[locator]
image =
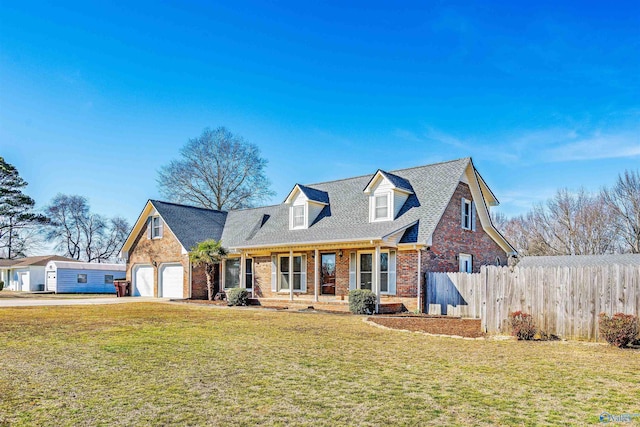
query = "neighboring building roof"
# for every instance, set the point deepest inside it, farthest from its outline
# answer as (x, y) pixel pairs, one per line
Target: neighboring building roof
(190, 224)
(88, 266)
(347, 217)
(579, 260)
(33, 261)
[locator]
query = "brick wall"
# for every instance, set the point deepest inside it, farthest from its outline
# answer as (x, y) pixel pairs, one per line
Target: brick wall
(164, 250)
(449, 240)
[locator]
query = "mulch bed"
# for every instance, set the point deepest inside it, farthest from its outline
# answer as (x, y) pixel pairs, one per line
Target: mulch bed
(469, 328)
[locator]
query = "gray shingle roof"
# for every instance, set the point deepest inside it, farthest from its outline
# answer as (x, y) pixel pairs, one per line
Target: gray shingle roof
(346, 218)
(579, 260)
(191, 224)
(398, 181)
(314, 195)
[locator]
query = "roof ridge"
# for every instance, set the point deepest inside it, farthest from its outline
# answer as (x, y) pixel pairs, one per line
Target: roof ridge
(391, 171)
(188, 206)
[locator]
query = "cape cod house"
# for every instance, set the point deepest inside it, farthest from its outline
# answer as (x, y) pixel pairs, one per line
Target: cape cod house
(381, 232)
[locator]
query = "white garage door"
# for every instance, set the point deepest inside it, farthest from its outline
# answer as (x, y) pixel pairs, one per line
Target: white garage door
(143, 281)
(171, 279)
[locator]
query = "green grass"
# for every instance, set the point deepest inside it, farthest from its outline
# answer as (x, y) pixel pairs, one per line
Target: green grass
(161, 364)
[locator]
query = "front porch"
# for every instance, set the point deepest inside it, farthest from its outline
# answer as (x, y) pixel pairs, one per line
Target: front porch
(323, 275)
(323, 304)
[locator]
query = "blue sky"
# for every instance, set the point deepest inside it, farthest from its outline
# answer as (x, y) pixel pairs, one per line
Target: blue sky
(96, 96)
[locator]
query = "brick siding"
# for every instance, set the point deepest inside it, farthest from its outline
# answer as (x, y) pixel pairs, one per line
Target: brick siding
(450, 239)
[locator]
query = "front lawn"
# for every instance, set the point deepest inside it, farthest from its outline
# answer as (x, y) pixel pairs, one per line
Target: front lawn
(163, 364)
(7, 294)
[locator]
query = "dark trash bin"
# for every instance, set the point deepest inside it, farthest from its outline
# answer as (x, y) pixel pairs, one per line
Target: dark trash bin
(123, 288)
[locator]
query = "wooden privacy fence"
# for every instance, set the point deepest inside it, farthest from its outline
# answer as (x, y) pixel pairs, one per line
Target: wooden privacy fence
(564, 301)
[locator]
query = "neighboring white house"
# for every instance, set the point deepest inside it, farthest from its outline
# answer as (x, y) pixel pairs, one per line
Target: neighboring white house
(26, 274)
(82, 277)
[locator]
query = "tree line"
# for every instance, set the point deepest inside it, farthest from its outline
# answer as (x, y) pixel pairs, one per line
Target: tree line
(580, 222)
(67, 222)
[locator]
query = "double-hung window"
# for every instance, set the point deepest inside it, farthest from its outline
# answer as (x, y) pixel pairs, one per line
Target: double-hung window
(381, 210)
(82, 278)
(231, 273)
(156, 227)
(363, 277)
(296, 273)
(108, 279)
(467, 212)
(298, 216)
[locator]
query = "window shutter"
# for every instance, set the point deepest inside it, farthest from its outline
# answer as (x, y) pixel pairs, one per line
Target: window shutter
(274, 273)
(473, 216)
(303, 273)
(462, 213)
(392, 272)
(352, 271)
(149, 228)
(160, 227)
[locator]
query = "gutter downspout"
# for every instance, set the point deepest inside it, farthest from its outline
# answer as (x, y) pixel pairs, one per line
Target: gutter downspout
(290, 274)
(376, 275)
(316, 281)
(419, 280)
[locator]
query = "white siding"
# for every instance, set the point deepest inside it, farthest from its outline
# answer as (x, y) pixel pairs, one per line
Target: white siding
(313, 211)
(398, 202)
(36, 278)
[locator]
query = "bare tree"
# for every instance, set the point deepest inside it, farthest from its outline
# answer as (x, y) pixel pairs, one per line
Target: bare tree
(570, 223)
(83, 235)
(217, 170)
(623, 201)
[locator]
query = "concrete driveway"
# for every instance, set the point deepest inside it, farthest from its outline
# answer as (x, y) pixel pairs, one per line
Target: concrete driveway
(26, 302)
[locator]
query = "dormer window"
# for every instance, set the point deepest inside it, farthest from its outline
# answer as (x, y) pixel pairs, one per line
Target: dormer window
(298, 216)
(387, 194)
(381, 207)
(305, 204)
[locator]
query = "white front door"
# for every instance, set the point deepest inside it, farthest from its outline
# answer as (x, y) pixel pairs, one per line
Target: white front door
(143, 281)
(51, 281)
(23, 281)
(171, 281)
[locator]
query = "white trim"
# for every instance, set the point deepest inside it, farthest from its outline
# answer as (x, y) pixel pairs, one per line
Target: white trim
(292, 217)
(159, 227)
(223, 273)
(375, 275)
(464, 258)
(466, 220)
(303, 285)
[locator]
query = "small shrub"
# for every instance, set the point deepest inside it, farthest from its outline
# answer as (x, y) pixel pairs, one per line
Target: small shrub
(362, 301)
(522, 326)
(237, 296)
(1, 285)
(620, 329)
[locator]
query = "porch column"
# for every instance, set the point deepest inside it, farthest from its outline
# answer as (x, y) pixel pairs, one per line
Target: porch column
(376, 275)
(290, 274)
(419, 280)
(316, 275)
(243, 266)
